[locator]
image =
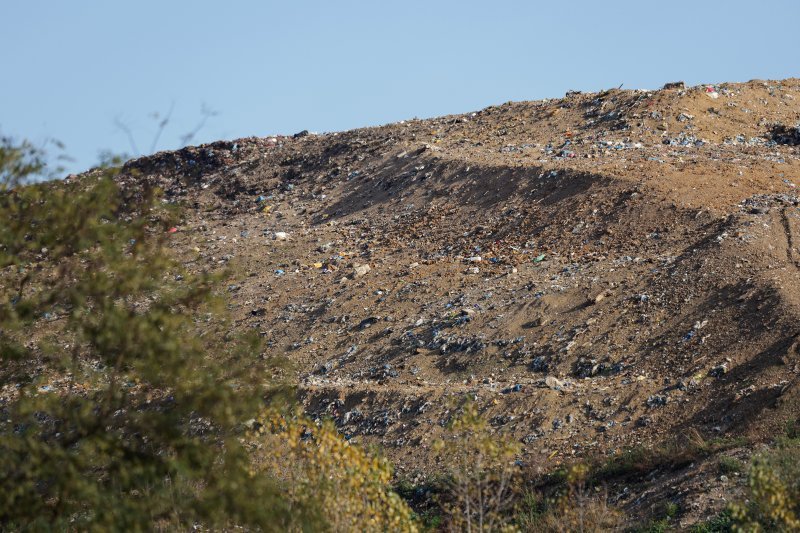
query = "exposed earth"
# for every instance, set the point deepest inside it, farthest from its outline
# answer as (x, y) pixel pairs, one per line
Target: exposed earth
(598, 271)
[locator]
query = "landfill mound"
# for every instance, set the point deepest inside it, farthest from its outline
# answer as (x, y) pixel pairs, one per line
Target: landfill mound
(598, 271)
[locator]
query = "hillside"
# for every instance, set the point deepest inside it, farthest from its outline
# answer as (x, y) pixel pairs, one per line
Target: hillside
(598, 271)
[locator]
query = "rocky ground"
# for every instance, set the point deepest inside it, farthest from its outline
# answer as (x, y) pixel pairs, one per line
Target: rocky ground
(597, 271)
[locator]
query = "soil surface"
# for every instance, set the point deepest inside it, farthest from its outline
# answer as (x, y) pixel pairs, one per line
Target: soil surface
(598, 271)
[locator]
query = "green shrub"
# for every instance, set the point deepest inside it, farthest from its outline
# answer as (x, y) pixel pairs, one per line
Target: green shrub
(127, 396)
(730, 465)
(722, 523)
(664, 523)
(672, 454)
(318, 469)
(773, 491)
(793, 429)
(577, 507)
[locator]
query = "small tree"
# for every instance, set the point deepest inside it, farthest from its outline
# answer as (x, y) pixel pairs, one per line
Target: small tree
(578, 507)
(482, 471)
(124, 392)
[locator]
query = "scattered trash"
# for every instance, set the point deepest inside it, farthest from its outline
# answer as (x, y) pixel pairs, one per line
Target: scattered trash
(718, 371)
(657, 400)
(674, 85)
(611, 210)
(785, 135)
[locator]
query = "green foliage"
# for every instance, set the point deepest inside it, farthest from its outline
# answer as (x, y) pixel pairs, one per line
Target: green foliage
(431, 520)
(664, 523)
(424, 498)
(730, 465)
(722, 523)
(319, 469)
(793, 429)
(673, 454)
(577, 506)
(19, 161)
(531, 510)
(23, 161)
(773, 491)
(125, 396)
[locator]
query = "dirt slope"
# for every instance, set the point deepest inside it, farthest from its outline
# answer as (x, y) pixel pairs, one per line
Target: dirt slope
(598, 271)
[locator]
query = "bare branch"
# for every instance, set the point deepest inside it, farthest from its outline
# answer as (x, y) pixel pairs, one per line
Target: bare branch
(205, 113)
(161, 125)
(127, 131)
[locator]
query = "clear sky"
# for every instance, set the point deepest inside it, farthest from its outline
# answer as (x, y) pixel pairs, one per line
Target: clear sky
(70, 69)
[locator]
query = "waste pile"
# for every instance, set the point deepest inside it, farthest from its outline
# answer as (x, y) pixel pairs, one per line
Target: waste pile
(596, 271)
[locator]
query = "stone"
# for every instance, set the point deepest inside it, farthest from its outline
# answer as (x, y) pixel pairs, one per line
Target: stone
(360, 270)
(553, 383)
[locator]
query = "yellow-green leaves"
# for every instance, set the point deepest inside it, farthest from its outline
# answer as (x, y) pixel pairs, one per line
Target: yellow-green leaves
(320, 470)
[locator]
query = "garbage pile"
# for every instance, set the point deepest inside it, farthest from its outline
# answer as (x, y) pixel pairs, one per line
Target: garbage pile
(597, 271)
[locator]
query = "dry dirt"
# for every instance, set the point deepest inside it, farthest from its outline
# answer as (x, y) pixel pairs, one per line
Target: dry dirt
(598, 271)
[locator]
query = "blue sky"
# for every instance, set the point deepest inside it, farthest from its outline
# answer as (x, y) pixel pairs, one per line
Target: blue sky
(71, 69)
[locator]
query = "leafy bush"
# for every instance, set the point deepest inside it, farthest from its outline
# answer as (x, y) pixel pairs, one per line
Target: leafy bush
(729, 465)
(318, 469)
(123, 396)
(664, 522)
(773, 491)
(722, 523)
